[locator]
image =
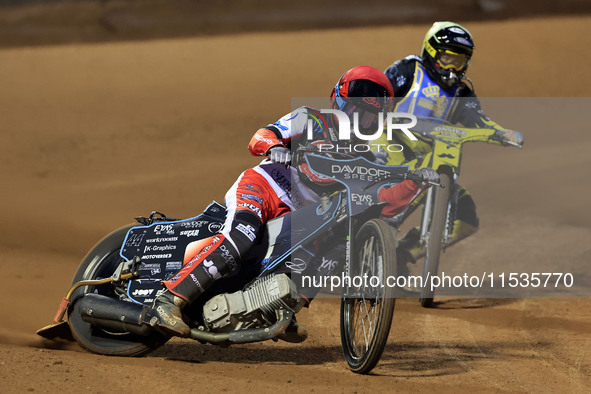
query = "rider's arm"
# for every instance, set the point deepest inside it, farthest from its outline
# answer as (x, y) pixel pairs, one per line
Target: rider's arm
(401, 75)
(399, 197)
(279, 133)
(263, 140)
(469, 114)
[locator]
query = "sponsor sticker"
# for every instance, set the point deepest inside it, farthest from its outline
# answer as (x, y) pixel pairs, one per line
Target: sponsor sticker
(228, 258)
(190, 233)
(167, 229)
(247, 230)
(214, 227)
(134, 240)
(212, 269)
(457, 30)
(327, 265)
(251, 197)
(174, 265)
(194, 224)
(156, 256)
(251, 207)
(142, 292)
(161, 239)
(362, 199)
(462, 41)
(158, 248)
(253, 188)
(296, 265)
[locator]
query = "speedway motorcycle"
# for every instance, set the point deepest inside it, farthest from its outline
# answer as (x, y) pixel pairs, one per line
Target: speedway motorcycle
(108, 308)
(439, 204)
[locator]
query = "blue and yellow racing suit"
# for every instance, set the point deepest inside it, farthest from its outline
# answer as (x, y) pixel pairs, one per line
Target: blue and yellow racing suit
(417, 93)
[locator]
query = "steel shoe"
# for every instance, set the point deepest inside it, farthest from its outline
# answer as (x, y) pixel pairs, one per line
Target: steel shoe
(167, 308)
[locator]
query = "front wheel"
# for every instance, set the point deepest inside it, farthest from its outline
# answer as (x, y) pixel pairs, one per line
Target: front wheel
(435, 240)
(367, 309)
(101, 262)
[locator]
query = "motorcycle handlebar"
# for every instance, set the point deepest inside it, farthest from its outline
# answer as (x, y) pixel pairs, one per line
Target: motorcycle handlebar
(407, 175)
(500, 138)
(511, 143)
(419, 179)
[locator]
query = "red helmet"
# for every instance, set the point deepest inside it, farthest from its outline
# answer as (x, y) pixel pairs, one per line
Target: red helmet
(366, 90)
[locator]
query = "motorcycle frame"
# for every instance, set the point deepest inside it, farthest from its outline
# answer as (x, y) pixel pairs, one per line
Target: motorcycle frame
(445, 157)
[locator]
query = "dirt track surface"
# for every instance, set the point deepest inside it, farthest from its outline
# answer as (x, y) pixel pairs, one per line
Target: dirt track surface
(92, 135)
(42, 22)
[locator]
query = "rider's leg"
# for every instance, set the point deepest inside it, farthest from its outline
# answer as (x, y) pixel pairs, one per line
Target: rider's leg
(466, 223)
(250, 203)
(218, 258)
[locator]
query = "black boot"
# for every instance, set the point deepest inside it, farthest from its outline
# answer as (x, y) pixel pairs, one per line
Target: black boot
(167, 307)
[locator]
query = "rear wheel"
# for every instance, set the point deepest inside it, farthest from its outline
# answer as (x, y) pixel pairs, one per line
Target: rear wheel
(435, 240)
(100, 263)
(366, 311)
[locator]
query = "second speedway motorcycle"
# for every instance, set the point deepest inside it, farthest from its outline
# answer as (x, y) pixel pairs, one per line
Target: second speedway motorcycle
(439, 204)
(108, 309)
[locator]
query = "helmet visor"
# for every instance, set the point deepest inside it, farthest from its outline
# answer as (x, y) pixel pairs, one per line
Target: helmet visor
(448, 60)
(365, 119)
(366, 88)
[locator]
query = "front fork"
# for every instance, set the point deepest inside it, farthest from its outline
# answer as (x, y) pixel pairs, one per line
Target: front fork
(427, 216)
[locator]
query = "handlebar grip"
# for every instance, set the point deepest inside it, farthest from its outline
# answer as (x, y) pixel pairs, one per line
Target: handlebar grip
(419, 179)
(501, 138)
(511, 143)
(413, 177)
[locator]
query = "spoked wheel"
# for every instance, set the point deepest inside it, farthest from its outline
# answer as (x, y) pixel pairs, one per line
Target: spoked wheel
(435, 240)
(367, 308)
(100, 263)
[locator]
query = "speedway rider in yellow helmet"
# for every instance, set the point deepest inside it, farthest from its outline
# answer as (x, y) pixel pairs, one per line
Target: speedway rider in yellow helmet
(434, 86)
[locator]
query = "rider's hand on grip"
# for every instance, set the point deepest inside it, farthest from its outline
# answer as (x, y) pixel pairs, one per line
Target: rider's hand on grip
(509, 137)
(381, 156)
(279, 155)
(427, 176)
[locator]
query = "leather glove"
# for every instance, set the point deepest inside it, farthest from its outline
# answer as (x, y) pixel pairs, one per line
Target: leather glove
(509, 135)
(428, 175)
(381, 156)
(279, 155)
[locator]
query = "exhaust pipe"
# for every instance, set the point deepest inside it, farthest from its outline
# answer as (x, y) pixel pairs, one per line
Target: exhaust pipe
(246, 336)
(123, 316)
(115, 314)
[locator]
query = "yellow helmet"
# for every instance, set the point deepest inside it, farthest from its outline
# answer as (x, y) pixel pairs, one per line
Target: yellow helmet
(446, 52)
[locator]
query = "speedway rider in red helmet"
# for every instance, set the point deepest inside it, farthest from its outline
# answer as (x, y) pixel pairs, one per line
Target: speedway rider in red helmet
(273, 188)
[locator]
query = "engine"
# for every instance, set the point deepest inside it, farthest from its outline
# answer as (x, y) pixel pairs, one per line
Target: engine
(254, 306)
